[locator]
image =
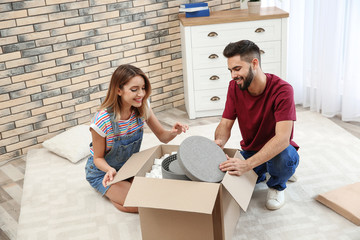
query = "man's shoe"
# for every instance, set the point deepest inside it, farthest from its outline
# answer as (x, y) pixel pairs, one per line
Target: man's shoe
(275, 199)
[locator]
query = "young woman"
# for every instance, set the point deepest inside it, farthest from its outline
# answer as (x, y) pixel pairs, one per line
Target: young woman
(117, 130)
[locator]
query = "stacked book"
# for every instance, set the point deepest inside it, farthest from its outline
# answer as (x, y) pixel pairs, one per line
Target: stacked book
(195, 9)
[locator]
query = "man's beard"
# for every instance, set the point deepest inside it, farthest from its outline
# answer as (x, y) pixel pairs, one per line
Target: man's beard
(247, 81)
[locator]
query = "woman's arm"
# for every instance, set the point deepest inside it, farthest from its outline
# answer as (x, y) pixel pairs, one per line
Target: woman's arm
(163, 135)
(99, 146)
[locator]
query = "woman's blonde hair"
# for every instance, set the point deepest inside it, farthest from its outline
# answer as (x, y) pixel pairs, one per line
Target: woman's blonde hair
(119, 78)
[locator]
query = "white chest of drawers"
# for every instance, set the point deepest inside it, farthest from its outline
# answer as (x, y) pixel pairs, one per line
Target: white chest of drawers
(205, 71)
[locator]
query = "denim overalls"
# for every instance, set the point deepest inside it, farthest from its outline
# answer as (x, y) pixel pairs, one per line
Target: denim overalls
(122, 149)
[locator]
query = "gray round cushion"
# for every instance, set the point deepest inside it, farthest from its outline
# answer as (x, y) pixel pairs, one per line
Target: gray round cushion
(168, 171)
(175, 167)
(200, 158)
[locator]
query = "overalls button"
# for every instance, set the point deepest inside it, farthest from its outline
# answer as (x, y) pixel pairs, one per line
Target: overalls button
(91, 167)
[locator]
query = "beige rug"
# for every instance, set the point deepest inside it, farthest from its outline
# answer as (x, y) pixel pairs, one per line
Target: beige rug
(58, 203)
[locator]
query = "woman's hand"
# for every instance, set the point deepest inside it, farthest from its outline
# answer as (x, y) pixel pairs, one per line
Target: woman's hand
(235, 166)
(109, 176)
(178, 128)
(163, 135)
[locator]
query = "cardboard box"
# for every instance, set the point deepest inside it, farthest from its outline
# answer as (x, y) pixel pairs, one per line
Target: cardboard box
(177, 209)
(345, 201)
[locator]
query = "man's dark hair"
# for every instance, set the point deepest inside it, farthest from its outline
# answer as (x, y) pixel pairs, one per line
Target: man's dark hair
(245, 48)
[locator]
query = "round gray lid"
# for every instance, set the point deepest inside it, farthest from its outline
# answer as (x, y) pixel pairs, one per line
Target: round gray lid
(200, 158)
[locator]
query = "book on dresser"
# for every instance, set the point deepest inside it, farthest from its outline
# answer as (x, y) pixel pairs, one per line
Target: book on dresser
(200, 9)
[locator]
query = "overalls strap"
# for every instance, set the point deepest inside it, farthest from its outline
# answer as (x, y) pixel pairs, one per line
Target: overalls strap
(114, 123)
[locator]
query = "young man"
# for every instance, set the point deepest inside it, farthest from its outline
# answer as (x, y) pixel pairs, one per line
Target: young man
(264, 106)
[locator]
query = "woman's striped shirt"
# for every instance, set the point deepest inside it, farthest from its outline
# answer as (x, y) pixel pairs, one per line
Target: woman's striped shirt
(101, 123)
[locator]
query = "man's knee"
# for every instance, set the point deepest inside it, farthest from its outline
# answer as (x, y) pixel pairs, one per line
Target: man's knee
(288, 158)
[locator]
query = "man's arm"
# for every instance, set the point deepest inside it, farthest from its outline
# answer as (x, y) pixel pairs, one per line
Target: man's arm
(223, 131)
(273, 147)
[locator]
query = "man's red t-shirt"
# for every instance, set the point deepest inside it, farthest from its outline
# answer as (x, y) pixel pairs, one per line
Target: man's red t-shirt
(257, 115)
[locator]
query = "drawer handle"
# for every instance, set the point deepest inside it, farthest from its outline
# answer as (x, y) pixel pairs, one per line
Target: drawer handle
(213, 56)
(262, 52)
(259, 30)
(212, 34)
(215, 98)
(214, 77)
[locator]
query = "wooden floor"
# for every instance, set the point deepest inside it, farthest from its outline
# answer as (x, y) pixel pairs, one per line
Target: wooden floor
(12, 172)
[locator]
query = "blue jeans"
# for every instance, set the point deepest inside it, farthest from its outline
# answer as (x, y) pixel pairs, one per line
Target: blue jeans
(280, 168)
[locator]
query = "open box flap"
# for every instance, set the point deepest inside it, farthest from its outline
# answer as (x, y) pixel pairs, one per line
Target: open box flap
(134, 164)
(178, 195)
(240, 187)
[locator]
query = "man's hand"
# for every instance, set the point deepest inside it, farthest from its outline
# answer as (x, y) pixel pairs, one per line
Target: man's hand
(219, 143)
(235, 166)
